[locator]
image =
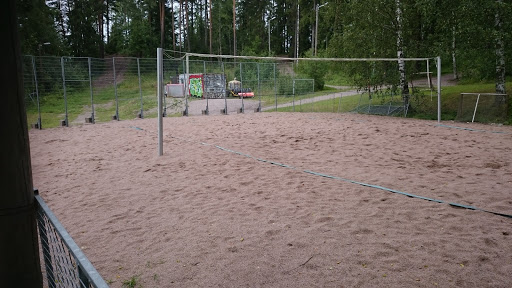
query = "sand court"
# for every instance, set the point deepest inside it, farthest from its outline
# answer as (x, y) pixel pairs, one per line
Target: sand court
(284, 200)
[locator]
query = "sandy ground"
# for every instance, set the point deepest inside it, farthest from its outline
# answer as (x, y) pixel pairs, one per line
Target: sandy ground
(234, 201)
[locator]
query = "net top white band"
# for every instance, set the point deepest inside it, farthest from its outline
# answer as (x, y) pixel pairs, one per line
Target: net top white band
(305, 59)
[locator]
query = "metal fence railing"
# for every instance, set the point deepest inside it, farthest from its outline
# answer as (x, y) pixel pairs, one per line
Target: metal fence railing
(65, 265)
(66, 91)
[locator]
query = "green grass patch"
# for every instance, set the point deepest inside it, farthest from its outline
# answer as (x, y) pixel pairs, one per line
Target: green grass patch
(269, 98)
(53, 107)
(334, 105)
(423, 105)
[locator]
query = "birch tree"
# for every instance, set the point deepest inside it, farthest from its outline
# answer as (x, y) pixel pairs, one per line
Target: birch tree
(400, 53)
(500, 49)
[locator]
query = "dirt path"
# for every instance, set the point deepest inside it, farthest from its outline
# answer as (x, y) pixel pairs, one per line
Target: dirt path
(313, 100)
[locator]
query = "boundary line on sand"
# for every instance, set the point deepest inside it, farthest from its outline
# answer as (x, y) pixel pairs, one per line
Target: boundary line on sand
(471, 129)
(340, 178)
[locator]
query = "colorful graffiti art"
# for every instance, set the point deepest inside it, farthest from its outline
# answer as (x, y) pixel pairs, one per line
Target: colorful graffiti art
(196, 87)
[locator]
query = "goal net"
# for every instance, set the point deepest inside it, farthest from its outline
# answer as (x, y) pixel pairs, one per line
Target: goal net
(482, 107)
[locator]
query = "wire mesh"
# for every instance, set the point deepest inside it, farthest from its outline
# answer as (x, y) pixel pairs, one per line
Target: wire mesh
(74, 90)
(482, 107)
(64, 263)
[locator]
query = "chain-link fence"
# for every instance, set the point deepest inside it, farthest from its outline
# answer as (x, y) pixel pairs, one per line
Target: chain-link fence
(75, 90)
(63, 91)
(65, 265)
(250, 86)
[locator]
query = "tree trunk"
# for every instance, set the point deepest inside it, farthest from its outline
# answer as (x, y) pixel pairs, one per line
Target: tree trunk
(454, 58)
(500, 50)
(297, 32)
(101, 30)
(210, 28)
(186, 26)
(172, 29)
(180, 17)
(313, 27)
(19, 255)
(108, 19)
(234, 27)
(400, 54)
(161, 4)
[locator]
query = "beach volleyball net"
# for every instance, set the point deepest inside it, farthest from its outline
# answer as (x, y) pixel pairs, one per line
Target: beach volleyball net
(375, 85)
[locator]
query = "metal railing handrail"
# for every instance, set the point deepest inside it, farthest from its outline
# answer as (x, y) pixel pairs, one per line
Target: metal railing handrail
(85, 266)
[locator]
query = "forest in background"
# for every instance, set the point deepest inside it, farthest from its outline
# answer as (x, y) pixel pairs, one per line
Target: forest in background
(472, 35)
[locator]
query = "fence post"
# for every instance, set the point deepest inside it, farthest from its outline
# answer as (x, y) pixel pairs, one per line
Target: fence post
(225, 98)
(339, 102)
(64, 89)
(259, 88)
(140, 90)
(37, 94)
(187, 69)
(438, 88)
(293, 92)
(275, 85)
(116, 117)
(241, 89)
(164, 113)
(90, 87)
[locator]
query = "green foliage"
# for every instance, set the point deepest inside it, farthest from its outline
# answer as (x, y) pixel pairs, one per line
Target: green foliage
(36, 27)
(315, 70)
(461, 29)
(131, 283)
(84, 40)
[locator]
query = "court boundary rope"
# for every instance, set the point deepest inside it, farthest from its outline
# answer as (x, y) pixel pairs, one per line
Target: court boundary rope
(468, 207)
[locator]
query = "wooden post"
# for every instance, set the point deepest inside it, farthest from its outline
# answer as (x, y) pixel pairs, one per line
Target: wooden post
(19, 252)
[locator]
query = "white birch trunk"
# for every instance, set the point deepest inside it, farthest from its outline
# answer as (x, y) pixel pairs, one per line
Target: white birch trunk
(400, 53)
(180, 17)
(454, 55)
(210, 26)
(500, 50)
